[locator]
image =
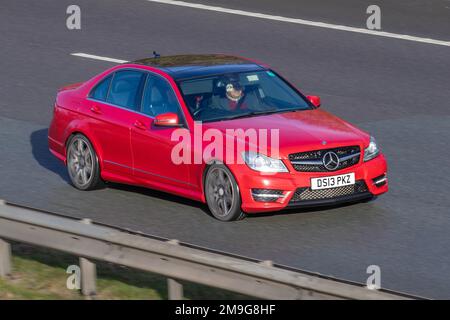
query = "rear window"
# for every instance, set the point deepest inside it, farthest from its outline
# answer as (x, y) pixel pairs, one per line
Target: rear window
(101, 89)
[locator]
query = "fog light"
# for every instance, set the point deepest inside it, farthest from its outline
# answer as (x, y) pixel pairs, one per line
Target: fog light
(267, 195)
(380, 180)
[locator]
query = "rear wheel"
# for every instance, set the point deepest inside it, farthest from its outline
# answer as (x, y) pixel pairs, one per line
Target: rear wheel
(222, 194)
(82, 163)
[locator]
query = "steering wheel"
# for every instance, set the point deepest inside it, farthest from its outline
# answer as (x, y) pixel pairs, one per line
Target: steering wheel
(198, 111)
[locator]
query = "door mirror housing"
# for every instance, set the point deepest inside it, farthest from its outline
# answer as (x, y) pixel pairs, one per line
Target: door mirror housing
(315, 100)
(168, 119)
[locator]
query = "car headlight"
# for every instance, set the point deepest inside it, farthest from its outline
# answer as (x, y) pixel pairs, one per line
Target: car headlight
(262, 163)
(372, 150)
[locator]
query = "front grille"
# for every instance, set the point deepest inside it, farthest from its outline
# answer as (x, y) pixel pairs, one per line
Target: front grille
(304, 194)
(312, 161)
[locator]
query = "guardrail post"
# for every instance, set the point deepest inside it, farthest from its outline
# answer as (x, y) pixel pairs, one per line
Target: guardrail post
(88, 273)
(175, 289)
(5, 258)
(88, 277)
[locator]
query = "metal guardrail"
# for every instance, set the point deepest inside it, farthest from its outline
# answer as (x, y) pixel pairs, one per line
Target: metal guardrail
(93, 242)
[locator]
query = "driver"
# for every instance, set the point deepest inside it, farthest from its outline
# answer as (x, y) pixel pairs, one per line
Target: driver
(234, 93)
(234, 96)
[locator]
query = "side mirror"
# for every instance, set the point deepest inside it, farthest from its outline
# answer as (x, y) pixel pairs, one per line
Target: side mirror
(168, 119)
(315, 100)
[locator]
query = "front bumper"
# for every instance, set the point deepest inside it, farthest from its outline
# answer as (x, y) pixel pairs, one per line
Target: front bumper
(372, 174)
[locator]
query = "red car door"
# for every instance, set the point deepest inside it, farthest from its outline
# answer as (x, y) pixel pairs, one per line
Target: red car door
(112, 114)
(152, 145)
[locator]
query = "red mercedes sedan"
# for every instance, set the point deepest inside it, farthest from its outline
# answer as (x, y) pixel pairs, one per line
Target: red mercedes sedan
(224, 130)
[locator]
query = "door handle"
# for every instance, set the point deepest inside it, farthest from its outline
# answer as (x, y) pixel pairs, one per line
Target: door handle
(140, 125)
(96, 110)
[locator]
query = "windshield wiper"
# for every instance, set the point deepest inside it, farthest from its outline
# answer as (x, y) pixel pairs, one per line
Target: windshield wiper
(263, 112)
(250, 114)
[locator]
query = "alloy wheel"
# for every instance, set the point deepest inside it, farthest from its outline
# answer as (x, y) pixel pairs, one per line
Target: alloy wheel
(80, 161)
(220, 190)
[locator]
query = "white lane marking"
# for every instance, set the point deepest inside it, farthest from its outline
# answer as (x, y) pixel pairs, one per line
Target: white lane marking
(303, 22)
(91, 56)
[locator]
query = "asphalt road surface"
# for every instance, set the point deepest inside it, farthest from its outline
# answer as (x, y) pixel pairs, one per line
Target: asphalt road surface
(398, 90)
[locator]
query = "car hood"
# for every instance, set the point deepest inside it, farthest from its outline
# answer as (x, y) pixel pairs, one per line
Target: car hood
(299, 131)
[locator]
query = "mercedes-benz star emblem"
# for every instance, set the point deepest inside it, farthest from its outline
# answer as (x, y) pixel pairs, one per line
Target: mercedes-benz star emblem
(330, 161)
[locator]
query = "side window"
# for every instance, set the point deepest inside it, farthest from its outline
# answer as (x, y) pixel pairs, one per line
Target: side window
(100, 91)
(125, 89)
(159, 97)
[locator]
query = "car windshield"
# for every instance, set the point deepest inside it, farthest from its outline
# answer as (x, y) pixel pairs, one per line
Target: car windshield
(237, 95)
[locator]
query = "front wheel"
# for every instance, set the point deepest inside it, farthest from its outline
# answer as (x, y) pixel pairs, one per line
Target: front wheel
(222, 194)
(82, 163)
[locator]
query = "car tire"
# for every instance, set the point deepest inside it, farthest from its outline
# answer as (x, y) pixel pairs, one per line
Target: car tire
(222, 194)
(82, 164)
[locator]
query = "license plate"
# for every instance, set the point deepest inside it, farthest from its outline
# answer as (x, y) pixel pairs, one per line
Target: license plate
(333, 181)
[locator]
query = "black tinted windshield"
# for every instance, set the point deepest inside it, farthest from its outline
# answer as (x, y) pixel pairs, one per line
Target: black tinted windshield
(230, 96)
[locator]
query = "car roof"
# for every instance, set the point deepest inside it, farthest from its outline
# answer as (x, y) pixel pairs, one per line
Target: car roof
(198, 65)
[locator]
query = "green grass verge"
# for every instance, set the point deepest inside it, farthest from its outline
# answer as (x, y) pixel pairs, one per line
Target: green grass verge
(41, 274)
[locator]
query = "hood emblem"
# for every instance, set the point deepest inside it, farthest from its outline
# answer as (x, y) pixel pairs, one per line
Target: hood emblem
(324, 142)
(330, 161)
